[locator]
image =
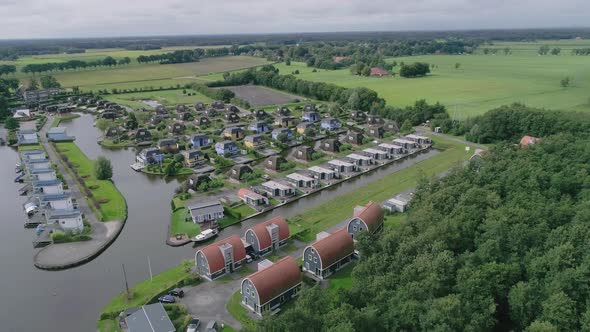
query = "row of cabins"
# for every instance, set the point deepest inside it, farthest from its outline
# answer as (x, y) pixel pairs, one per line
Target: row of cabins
(275, 283)
(47, 195)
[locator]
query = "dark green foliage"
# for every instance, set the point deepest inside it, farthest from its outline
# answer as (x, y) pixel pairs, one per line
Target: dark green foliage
(416, 69)
(103, 170)
(417, 114)
(11, 124)
(48, 82)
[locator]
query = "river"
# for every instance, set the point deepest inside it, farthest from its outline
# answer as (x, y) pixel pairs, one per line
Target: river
(71, 300)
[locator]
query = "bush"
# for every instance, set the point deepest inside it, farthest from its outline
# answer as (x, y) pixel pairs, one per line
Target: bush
(103, 170)
(103, 200)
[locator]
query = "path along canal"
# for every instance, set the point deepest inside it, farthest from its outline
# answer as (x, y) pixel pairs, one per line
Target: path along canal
(71, 300)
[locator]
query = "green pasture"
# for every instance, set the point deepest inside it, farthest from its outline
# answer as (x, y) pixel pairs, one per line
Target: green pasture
(164, 97)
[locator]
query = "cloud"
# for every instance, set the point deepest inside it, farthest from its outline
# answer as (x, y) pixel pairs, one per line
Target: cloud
(94, 18)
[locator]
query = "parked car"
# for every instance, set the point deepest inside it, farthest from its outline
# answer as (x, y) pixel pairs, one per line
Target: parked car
(176, 292)
(193, 325)
(211, 326)
(167, 299)
(249, 259)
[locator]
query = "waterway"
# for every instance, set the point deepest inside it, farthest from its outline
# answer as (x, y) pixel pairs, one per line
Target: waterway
(71, 300)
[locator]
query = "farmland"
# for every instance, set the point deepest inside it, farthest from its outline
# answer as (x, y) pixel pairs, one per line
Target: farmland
(164, 97)
(260, 96)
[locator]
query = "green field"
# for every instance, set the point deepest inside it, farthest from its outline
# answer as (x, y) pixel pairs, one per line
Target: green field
(179, 225)
(481, 83)
(164, 97)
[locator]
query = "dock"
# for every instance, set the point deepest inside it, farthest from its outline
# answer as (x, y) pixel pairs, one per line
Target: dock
(43, 239)
(24, 190)
(137, 167)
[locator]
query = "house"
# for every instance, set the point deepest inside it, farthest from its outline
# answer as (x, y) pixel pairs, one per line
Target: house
(156, 120)
(56, 201)
(195, 180)
(342, 166)
(181, 108)
(378, 72)
(202, 121)
(200, 140)
(302, 181)
(25, 137)
(200, 107)
(285, 121)
(47, 187)
(266, 290)
(59, 134)
(309, 108)
(391, 126)
(231, 117)
(184, 116)
(68, 220)
(31, 164)
(207, 211)
(376, 131)
(260, 114)
(268, 236)
(221, 257)
(177, 128)
(303, 126)
(226, 148)
(259, 127)
(404, 143)
(33, 96)
(391, 149)
(108, 114)
(233, 133)
(330, 124)
(143, 135)
(396, 204)
(283, 111)
(358, 116)
(150, 156)
(373, 119)
(22, 114)
(421, 140)
(254, 141)
(359, 159)
(42, 174)
(528, 140)
(274, 162)
(330, 145)
(323, 173)
(232, 109)
(303, 152)
(168, 145)
(368, 218)
(32, 155)
(354, 138)
(111, 132)
(252, 198)
(277, 189)
(311, 116)
(193, 158)
(211, 112)
(237, 172)
(149, 318)
(376, 154)
(218, 104)
(281, 131)
(328, 254)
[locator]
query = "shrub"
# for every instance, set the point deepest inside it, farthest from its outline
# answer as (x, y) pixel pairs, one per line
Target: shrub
(103, 200)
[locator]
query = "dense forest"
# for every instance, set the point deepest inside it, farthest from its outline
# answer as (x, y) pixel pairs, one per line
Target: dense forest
(7, 88)
(499, 245)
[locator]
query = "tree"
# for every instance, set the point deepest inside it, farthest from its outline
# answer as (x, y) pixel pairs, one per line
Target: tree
(543, 50)
(407, 127)
(48, 82)
(33, 85)
(109, 61)
(288, 62)
(565, 82)
(11, 123)
(103, 170)
(506, 50)
(282, 137)
(457, 65)
(102, 124)
(486, 51)
(555, 51)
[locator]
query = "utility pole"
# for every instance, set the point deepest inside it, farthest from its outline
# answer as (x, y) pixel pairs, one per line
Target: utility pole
(150, 267)
(126, 284)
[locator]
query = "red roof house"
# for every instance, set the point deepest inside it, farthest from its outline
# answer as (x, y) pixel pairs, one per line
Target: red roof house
(268, 236)
(380, 72)
(220, 257)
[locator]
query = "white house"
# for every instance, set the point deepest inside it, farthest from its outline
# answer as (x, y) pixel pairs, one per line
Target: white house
(277, 189)
(342, 166)
(406, 144)
(46, 174)
(396, 204)
(359, 159)
(301, 181)
(376, 154)
(56, 202)
(208, 211)
(68, 220)
(48, 187)
(323, 174)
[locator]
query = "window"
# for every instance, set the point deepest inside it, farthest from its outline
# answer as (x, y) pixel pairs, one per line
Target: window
(354, 228)
(315, 260)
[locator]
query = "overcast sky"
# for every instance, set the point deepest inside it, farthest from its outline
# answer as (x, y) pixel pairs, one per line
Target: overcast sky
(96, 18)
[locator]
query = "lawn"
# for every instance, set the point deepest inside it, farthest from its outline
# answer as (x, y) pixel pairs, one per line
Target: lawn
(113, 206)
(340, 208)
(59, 119)
(179, 224)
(164, 97)
(342, 278)
(240, 313)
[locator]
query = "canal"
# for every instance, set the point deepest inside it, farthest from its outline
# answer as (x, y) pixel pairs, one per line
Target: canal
(71, 300)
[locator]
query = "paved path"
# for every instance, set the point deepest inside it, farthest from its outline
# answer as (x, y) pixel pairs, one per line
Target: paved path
(66, 255)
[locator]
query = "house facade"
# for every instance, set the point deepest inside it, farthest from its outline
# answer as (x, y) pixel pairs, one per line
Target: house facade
(68, 220)
(268, 236)
(200, 140)
(254, 141)
(252, 198)
(277, 189)
(226, 148)
(193, 158)
(328, 254)
(278, 131)
(150, 156)
(311, 116)
(234, 133)
(302, 181)
(330, 145)
(406, 144)
(330, 124)
(366, 219)
(220, 258)
(259, 127)
(168, 145)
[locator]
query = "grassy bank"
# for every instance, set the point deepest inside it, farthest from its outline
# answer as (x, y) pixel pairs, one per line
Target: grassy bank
(104, 197)
(320, 218)
(59, 119)
(236, 309)
(144, 292)
(179, 225)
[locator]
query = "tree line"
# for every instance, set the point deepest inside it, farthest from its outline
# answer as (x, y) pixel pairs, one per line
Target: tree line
(415, 69)
(108, 61)
(7, 69)
(7, 87)
(499, 245)
(581, 51)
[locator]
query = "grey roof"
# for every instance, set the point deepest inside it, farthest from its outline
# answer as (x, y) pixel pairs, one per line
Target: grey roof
(151, 317)
(54, 197)
(57, 130)
(47, 182)
(206, 208)
(53, 214)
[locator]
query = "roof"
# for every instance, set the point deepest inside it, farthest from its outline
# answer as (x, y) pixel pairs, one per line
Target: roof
(47, 182)
(151, 317)
(245, 192)
(528, 140)
(371, 215)
(319, 169)
(357, 156)
(390, 146)
(374, 151)
(379, 71)
(225, 144)
(276, 185)
(419, 137)
(339, 162)
(206, 208)
(403, 141)
(214, 255)
(334, 247)
(167, 141)
(52, 214)
(54, 197)
(57, 130)
(396, 201)
(271, 282)
(299, 177)
(262, 234)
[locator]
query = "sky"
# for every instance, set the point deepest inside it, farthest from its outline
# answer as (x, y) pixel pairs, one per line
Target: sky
(100, 18)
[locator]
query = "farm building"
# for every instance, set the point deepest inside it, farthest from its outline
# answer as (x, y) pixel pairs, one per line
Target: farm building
(378, 72)
(354, 138)
(342, 166)
(302, 181)
(221, 257)
(252, 198)
(323, 173)
(277, 189)
(274, 162)
(268, 236)
(266, 290)
(328, 254)
(368, 218)
(330, 145)
(207, 211)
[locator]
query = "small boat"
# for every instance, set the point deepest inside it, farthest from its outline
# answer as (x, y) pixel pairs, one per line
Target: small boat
(206, 235)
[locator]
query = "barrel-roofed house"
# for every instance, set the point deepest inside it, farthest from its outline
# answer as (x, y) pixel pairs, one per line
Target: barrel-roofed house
(267, 289)
(328, 254)
(221, 257)
(368, 218)
(268, 236)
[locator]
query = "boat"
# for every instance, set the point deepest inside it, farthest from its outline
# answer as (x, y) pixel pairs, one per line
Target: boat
(206, 235)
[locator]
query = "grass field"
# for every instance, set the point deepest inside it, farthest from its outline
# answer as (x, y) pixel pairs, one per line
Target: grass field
(164, 97)
(180, 226)
(320, 218)
(115, 208)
